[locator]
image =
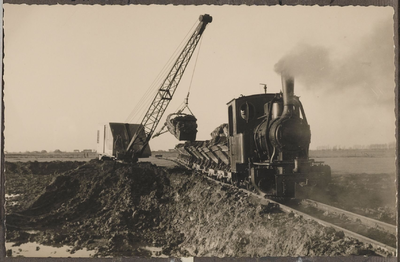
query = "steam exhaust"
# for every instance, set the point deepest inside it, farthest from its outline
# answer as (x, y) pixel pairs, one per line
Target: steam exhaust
(288, 94)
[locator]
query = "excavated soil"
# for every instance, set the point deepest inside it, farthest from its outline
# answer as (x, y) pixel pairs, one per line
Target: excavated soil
(122, 210)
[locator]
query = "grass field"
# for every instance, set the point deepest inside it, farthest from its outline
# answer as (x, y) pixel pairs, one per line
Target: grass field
(352, 153)
(47, 157)
(86, 156)
(66, 156)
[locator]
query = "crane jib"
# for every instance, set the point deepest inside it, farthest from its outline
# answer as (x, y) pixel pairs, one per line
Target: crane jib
(167, 90)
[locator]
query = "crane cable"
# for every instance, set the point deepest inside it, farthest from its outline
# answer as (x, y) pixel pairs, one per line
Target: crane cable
(151, 91)
(140, 109)
(184, 105)
(186, 101)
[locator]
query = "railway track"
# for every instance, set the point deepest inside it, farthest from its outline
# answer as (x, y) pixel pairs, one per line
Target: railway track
(381, 236)
(349, 217)
(362, 228)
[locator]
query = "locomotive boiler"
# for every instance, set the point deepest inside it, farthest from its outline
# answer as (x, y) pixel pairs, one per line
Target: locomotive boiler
(264, 146)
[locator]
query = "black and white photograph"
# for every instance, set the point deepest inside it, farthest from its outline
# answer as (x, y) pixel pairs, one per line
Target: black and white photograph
(199, 131)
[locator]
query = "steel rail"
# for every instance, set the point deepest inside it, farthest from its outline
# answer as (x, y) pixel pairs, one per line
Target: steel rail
(388, 250)
(369, 222)
(376, 244)
(380, 248)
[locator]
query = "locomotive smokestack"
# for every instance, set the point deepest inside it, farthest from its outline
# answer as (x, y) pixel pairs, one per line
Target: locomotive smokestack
(288, 94)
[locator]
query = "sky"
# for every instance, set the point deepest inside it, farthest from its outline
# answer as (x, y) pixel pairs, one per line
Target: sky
(69, 69)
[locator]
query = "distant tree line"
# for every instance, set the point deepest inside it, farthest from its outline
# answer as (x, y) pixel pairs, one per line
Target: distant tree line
(55, 151)
(356, 147)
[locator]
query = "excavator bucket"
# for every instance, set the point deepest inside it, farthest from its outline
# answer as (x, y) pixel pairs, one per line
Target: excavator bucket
(182, 126)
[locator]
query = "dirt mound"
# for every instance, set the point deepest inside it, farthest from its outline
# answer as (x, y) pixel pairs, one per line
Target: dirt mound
(40, 168)
(26, 180)
(96, 202)
(128, 210)
(218, 220)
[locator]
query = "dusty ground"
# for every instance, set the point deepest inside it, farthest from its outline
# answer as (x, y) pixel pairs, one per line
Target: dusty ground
(371, 195)
(119, 209)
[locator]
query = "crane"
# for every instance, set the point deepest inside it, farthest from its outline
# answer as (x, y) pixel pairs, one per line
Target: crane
(164, 95)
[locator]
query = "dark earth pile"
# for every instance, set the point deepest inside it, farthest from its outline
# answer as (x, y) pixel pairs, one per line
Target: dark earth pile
(120, 209)
(27, 179)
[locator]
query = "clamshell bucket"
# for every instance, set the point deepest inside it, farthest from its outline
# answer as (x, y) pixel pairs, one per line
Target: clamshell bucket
(182, 126)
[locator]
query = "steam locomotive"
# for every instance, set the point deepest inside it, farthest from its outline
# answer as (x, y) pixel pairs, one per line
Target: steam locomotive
(264, 146)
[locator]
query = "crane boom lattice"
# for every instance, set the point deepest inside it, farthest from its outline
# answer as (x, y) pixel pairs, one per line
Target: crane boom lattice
(167, 90)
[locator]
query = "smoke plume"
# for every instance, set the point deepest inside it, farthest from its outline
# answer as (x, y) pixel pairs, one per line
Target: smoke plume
(368, 70)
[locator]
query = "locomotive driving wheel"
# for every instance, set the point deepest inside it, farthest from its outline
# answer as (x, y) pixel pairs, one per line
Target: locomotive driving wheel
(263, 181)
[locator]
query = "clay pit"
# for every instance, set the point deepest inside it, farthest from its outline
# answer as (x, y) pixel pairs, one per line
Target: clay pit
(120, 210)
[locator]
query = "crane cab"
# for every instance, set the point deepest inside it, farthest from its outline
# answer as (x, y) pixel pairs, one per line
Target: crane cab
(113, 139)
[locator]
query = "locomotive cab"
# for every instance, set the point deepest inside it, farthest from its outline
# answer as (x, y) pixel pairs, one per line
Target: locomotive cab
(244, 115)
